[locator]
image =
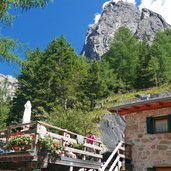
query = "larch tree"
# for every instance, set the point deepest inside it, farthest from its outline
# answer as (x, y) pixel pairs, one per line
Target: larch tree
(123, 57)
(8, 46)
(161, 58)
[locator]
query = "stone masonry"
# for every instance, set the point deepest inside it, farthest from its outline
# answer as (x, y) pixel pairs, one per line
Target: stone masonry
(148, 150)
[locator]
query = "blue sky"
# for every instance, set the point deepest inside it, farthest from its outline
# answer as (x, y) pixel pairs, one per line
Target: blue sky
(37, 27)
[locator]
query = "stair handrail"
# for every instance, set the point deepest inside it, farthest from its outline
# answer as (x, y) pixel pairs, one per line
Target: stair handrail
(116, 161)
(111, 156)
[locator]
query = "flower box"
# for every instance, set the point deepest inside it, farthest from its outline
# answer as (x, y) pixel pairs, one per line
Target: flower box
(19, 142)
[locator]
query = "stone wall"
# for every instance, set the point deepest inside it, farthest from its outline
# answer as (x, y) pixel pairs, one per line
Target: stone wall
(148, 150)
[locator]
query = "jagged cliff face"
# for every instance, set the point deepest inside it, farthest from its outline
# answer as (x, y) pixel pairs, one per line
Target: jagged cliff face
(142, 24)
(112, 130)
(8, 86)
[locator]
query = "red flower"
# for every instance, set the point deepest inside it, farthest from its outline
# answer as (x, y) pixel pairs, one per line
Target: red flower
(17, 133)
(55, 145)
(33, 136)
(22, 142)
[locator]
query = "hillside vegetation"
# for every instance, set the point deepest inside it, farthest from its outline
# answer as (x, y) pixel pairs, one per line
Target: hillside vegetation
(72, 93)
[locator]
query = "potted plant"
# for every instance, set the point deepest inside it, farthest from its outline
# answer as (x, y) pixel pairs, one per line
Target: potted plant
(19, 142)
(50, 145)
(45, 143)
(58, 148)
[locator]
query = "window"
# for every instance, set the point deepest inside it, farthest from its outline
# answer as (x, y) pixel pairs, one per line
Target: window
(159, 124)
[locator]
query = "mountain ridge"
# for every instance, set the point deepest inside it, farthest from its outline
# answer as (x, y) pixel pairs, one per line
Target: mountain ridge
(8, 86)
(143, 24)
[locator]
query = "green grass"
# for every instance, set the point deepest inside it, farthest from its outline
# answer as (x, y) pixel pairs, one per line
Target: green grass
(119, 99)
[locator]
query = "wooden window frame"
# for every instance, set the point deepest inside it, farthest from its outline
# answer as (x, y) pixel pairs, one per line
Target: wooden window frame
(160, 118)
(150, 124)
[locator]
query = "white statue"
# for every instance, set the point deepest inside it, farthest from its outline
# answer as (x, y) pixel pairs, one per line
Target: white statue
(27, 115)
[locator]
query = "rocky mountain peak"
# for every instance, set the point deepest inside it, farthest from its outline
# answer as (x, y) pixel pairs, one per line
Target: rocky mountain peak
(8, 85)
(145, 23)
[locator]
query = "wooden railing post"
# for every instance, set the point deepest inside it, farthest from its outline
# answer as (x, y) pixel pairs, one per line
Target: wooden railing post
(71, 168)
(85, 149)
(8, 132)
(35, 150)
(118, 160)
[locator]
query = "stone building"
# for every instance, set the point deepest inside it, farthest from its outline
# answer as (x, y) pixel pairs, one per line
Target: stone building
(148, 130)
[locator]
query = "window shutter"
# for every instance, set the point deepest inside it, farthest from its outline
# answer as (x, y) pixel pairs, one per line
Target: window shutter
(169, 122)
(151, 169)
(149, 121)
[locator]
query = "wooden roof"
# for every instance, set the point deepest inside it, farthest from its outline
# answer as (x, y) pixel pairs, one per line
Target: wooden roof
(150, 104)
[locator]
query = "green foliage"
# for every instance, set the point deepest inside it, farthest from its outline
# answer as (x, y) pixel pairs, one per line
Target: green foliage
(4, 104)
(8, 49)
(18, 140)
(121, 98)
(94, 85)
(74, 120)
(77, 146)
(49, 144)
(48, 79)
(5, 5)
(160, 63)
(123, 57)
(143, 75)
(65, 89)
(4, 111)
(9, 46)
(154, 69)
(137, 65)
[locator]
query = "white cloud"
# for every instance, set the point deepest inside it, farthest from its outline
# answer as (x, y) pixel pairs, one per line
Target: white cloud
(130, 1)
(96, 18)
(161, 7)
(107, 2)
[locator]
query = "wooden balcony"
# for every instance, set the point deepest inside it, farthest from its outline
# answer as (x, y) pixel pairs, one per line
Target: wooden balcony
(87, 156)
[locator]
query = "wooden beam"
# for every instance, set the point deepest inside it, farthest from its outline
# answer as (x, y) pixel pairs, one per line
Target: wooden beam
(152, 106)
(83, 152)
(92, 146)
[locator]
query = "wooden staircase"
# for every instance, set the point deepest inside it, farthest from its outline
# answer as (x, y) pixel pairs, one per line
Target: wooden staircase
(116, 161)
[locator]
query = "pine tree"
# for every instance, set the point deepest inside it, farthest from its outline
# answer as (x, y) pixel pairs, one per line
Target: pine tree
(47, 80)
(143, 75)
(123, 57)
(161, 58)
